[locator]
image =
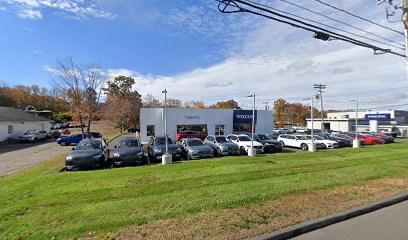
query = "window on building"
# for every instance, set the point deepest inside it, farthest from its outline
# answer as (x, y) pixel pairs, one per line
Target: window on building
(219, 129)
(10, 129)
(242, 128)
(197, 128)
(150, 130)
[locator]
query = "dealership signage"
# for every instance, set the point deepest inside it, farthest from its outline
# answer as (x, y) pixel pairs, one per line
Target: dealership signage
(192, 117)
(384, 116)
(244, 116)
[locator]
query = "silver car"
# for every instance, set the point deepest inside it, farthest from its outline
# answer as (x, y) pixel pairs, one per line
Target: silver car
(33, 136)
(194, 148)
(221, 146)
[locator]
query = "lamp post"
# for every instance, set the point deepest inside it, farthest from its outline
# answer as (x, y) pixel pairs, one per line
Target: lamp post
(356, 142)
(252, 151)
(166, 157)
(312, 146)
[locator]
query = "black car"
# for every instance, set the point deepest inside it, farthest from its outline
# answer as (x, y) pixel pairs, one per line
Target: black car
(156, 147)
(270, 145)
(53, 134)
(343, 142)
(128, 152)
(88, 154)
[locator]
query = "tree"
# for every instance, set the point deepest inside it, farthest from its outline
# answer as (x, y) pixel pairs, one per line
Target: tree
(173, 103)
(280, 107)
(230, 104)
(198, 105)
(149, 101)
(123, 105)
(81, 86)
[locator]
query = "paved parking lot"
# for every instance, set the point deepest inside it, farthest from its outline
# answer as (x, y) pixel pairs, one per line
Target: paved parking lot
(14, 157)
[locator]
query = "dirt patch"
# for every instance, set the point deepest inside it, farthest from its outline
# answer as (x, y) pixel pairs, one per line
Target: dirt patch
(255, 220)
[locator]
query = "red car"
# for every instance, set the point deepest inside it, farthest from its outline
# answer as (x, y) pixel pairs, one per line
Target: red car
(370, 140)
(190, 134)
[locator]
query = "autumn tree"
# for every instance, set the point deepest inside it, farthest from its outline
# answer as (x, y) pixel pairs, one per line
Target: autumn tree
(81, 86)
(280, 107)
(149, 101)
(173, 103)
(122, 105)
(229, 104)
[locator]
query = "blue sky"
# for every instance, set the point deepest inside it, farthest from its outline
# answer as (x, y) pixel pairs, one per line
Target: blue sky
(197, 53)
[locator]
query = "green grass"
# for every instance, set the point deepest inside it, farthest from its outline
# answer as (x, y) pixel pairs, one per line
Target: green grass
(39, 203)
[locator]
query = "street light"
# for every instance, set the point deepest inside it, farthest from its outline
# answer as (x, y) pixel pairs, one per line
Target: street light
(252, 151)
(356, 142)
(312, 148)
(166, 157)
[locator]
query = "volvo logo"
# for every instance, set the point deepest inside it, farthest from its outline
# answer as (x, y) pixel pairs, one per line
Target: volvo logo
(244, 116)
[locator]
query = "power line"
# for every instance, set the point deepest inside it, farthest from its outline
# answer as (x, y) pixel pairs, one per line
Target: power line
(399, 46)
(344, 23)
(322, 34)
(359, 17)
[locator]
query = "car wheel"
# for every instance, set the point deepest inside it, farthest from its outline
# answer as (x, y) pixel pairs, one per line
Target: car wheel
(283, 144)
(63, 143)
(188, 157)
(304, 147)
(35, 140)
(218, 152)
(374, 143)
(242, 150)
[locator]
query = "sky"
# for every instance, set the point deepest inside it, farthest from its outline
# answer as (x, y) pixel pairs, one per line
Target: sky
(199, 54)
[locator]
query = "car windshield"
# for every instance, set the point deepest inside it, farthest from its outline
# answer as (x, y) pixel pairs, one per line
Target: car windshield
(31, 132)
(221, 139)
(89, 145)
(264, 137)
(128, 143)
(162, 141)
(318, 138)
(244, 138)
(195, 143)
(304, 137)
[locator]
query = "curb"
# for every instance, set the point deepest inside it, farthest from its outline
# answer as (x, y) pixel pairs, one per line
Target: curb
(305, 227)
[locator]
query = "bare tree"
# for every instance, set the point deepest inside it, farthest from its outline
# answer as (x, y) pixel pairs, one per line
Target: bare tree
(81, 86)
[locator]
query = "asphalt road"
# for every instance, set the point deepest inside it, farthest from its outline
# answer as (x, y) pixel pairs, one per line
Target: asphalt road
(389, 223)
(14, 157)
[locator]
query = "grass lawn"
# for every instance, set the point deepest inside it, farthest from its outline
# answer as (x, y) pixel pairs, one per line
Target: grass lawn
(39, 203)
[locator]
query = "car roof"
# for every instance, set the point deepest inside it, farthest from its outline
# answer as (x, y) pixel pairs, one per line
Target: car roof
(190, 139)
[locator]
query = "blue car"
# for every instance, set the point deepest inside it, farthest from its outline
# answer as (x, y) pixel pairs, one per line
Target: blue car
(75, 139)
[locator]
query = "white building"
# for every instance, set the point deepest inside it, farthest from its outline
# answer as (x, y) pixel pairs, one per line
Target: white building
(14, 122)
(367, 121)
(210, 121)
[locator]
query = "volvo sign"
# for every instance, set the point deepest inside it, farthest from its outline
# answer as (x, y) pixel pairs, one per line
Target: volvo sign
(378, 116)
(243, 116)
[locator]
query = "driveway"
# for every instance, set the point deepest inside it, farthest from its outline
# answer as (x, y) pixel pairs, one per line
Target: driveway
(14, 157)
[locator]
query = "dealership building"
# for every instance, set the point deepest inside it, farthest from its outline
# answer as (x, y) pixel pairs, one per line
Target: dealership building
(209, 121)
(390, 120)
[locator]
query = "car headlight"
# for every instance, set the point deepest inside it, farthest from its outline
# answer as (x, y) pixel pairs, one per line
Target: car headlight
(248, 146)
(98, 156)
(157, 150)
(139, 153)
(194, 151)
(68, 158)
(223, 147)
(116, 155)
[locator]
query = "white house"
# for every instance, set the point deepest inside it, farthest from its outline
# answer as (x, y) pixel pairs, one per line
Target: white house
(209, 121)
(14, 122)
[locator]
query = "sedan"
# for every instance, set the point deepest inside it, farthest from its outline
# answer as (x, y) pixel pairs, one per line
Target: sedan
(88, 154)
(194, 148)
(128, 152)
(221, 146)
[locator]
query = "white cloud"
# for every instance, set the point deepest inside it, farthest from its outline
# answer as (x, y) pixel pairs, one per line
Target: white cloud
(78, 9)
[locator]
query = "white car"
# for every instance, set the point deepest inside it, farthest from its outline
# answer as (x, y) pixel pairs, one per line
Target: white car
(328, 143)
(298, 141)
(244, 142)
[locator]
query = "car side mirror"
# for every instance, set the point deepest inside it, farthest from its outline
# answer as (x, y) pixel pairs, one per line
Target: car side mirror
(73, 149)
(115, 146)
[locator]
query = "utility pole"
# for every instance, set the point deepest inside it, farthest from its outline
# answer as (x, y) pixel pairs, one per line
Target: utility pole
(320, 89)
(266, 105)
(405, 22)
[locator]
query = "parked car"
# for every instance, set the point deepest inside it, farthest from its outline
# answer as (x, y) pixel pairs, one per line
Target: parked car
(298, 141)
(33, 136)
(392, 134)
(244, 142)
(128, 152)
(351, 137)
(269, 145)
(65, 131)
(384, 138)
(343, 142)
(76, 138)
(53, 134)
(190, 134)
(327, 142)
(368, 139)
(56, 126)
(221, 146)
(88, 154)
(194, 148)
(156, 147)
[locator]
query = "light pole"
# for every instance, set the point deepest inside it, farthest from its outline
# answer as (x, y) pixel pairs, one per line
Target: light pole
(356, 142)
(166, 157)
(312, 148)
(252, 151)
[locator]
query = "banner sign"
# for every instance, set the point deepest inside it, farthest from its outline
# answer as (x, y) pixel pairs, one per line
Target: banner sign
(385, 116)
(244, 116)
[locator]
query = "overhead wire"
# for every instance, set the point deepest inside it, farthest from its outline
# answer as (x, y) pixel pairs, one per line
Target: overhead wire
(399, 46)
(359, 17)
(300, 24)
(342, 22)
